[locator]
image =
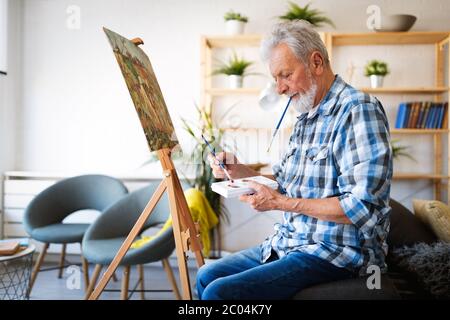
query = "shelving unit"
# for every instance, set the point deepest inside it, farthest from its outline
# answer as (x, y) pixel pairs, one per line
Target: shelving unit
(438, 91)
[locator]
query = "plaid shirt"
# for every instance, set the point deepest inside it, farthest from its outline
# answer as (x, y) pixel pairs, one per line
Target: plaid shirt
(339, 149)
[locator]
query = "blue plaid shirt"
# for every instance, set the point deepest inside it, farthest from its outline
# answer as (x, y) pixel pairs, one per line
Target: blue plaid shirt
(341, 149)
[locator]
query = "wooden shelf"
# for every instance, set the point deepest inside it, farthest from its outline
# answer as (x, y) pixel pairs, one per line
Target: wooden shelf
(410, 90)
(416, 176)
(387, 38)
(225, 91)
(245, 40)
(420, 131)
(339, 39)
(387, 90)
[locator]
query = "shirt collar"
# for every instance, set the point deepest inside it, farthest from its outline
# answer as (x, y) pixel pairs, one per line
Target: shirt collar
(329, 101)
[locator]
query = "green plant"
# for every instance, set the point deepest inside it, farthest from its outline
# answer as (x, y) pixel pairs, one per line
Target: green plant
(400, 151)
(376, 67)
(231, 15)
(203, 172)
(235, 66)
(313, 16)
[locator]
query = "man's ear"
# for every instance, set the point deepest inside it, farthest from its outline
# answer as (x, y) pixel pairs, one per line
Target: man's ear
(316, 63)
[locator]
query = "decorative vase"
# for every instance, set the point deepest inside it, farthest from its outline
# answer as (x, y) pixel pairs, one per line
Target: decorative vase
(376, 81)
(235, 81)
(234, 27)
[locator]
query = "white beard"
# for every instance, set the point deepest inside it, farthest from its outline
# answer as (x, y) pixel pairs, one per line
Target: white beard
(305, 102)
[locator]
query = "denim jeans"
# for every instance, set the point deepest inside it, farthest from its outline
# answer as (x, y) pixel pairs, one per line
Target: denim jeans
(242, 276)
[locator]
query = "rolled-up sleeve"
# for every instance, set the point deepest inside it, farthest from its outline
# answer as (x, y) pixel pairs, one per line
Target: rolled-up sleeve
(364, 160)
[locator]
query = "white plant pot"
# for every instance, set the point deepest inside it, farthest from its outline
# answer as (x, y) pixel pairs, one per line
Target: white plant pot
(234, 27)
(235, 82)
(376, 81)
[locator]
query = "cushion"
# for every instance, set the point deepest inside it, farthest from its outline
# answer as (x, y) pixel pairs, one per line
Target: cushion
(349, 289)
(60, 233)
(436, 215)
(407, 229)
(430, 264)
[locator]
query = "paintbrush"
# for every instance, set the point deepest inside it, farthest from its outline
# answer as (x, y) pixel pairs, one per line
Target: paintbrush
(221, 164)
(279, 123)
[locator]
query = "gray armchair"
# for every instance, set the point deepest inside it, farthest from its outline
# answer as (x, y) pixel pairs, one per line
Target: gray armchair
(43, 218)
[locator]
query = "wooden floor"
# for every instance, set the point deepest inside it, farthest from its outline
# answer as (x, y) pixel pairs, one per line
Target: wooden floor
(49, 287)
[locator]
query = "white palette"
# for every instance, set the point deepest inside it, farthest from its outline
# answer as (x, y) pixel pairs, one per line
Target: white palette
(240, 186)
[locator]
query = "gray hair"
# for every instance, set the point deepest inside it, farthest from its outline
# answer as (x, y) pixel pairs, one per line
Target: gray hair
(299, 36)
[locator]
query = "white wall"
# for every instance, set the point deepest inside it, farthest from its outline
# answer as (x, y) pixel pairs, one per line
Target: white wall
(73, 112)
(10, 89)
(76, 111)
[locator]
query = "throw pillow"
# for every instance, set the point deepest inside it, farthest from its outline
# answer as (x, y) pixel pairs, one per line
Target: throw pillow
(436, 215)
(430, 264)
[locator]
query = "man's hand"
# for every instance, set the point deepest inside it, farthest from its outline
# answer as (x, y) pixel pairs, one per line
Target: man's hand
(236, 169)
(264, 198)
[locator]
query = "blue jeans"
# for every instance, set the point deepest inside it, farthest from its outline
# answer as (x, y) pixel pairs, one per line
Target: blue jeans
(242, 276)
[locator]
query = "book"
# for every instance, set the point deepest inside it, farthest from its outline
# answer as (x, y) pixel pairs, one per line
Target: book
(9, 247)
(239, 187)
(400, 116)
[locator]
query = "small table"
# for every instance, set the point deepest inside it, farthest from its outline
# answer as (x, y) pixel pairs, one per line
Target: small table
(15, 273)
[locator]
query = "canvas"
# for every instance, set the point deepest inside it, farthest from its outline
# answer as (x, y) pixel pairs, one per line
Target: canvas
(145, 92)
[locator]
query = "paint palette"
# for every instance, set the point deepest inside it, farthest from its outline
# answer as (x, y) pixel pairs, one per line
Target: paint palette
(228, 189)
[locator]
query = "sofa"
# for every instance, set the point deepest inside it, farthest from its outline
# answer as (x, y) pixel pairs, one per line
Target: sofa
(405, 230)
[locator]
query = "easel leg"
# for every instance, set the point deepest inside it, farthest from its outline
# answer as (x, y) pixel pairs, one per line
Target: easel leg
(187, 223)
(179, 240)
(184, 232)
(129, 240)
(93, 281)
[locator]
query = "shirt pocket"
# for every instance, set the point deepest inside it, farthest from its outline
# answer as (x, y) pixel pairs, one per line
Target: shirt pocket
(317, 169)
(291, 154)
(292, 164)
(317, 154)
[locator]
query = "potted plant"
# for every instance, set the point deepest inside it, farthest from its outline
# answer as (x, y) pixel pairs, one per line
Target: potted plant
(313, 16)
(235, 22)
(376, 70)
(235, 69)
(400, 151)
(203, 172)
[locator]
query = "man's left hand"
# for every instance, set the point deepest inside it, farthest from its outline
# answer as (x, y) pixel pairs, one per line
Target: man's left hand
(263, 199)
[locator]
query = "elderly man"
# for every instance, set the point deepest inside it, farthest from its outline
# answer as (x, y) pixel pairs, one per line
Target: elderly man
(334, 182)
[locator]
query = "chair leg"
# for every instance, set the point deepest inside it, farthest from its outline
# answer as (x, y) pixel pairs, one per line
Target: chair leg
(125, 282)
(141, 280)
(37, 267)
(93, 281)
(85, 265)
(172, 281)
(61, 261)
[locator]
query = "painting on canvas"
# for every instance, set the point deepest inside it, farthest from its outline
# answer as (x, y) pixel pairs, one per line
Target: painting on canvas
(145, 92)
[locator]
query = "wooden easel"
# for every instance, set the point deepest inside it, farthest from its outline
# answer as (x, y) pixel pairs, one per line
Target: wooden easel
(184, 229)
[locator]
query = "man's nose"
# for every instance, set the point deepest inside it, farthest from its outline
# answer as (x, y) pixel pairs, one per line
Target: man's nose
(281, 87)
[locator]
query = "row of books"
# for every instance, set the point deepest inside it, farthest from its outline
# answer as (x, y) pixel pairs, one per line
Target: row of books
(422, 115)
